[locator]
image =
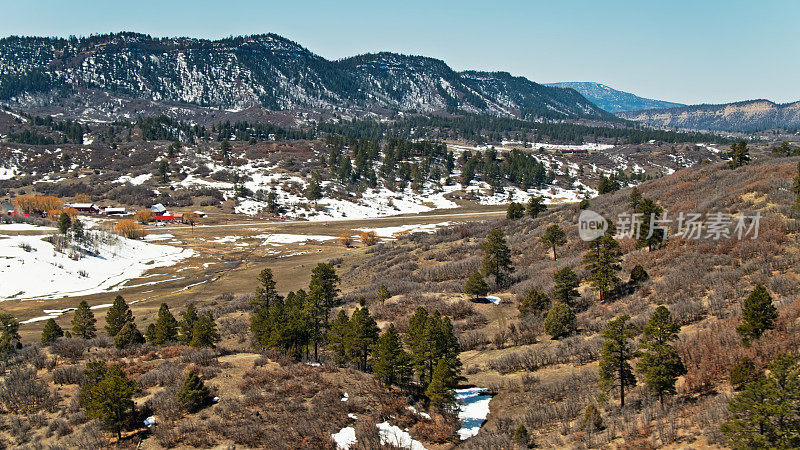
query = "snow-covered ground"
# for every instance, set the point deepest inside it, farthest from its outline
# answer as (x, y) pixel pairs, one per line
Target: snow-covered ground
(31, 268)
(390, 232)
(345, 438)
(136, 181)
(279, 239)
(473, 407)
(23, 227)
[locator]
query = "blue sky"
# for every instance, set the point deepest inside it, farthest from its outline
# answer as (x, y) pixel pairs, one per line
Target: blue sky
(701, 51)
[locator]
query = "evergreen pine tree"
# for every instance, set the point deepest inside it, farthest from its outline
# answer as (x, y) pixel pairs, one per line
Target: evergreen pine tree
(660, 364)
(515, 211)
(418, 343)
(64, 222)
(83, 322)
(603, 261)
(739, 154)
(362, 337)
(107, 396)
(383, 294)
(497, 258)
(638, 274)
(438, 392)
(166, 327)
(565, 285)
(323, 291)
(338, 335)
(117, 316)
(188, 318)
(635, 198)
(758, 315)
(535, 302)
(9, 334)
(204, 332)
(615, 368)
(650, 212)
(476, 286)
(554, 237)
(535, 206)
(560, 320)
(193, 393)
(51, 332)
(390, 362)
(266, 292)
(129, 335)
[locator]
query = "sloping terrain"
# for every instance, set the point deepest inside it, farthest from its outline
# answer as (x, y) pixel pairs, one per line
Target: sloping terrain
(268, 71)
(612, 100)
(748, 116)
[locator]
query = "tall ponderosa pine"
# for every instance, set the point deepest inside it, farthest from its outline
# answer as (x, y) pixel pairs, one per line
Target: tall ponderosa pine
(266, 292)
(430, 337)
(565, 285)
(188, 318)
(107, 396)
(204, 332)
(390, 362)
(439, 390)
(362, 337)
(649, 235)
(83, 322)
(758, 315)
(554, 237)
(796, 188)
(166, 327)
(322, 291)
(64, 222)
(193, 393)
(338, 335)
(117, 316)
(603, 260)
(635, 198)
(383, 294)
(615, 368)
(51, 332)
(497, 258)
(660, 364)
(515, 211)
(476, 286)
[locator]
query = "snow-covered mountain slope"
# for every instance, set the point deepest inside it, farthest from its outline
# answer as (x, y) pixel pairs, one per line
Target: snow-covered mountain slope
(266, 71)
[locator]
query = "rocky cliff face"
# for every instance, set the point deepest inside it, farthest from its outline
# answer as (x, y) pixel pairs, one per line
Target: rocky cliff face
(266, 71)
(746, 116)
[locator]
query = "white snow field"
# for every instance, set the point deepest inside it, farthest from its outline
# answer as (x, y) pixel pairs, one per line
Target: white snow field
(278, 239)
(31, 268)
(345, 438)
(23, 227)
(473, 407)
(394, 436)
(390, 232)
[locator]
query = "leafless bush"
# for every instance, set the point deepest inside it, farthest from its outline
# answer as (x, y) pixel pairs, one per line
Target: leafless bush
(70, 348)
(59, 427)
(22, 392)
(166, 373)
(68, 375)
(473, 340)
(203, 357)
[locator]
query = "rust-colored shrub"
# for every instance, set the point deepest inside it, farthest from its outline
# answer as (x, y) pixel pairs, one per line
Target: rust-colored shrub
(130, 229)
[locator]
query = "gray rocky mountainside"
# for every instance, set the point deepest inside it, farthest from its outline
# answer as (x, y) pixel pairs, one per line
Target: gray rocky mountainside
(267, 71)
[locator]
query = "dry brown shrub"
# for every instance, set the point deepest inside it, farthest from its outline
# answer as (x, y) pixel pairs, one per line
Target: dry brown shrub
(369, 238)
(346, 239)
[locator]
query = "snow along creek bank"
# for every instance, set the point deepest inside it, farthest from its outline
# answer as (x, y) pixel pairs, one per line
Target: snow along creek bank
(472, 408)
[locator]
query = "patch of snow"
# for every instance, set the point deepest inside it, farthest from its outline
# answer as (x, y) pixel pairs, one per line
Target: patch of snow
(473, 407)
(278, 238)
(422, 414)
(157, 237)
(345, 438)
(393, 435)
(23, 227)
(494, 299)
(136, 181)
(44, 273)
(388, 232)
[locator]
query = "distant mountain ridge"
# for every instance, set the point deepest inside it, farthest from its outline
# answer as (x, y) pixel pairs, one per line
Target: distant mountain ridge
(266, 71)
(612, 100)
(746, 116)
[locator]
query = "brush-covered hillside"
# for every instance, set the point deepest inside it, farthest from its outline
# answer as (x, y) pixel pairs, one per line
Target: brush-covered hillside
(485, 334)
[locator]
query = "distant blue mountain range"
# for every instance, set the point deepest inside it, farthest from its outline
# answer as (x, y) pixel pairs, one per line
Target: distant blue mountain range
(612, 100)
